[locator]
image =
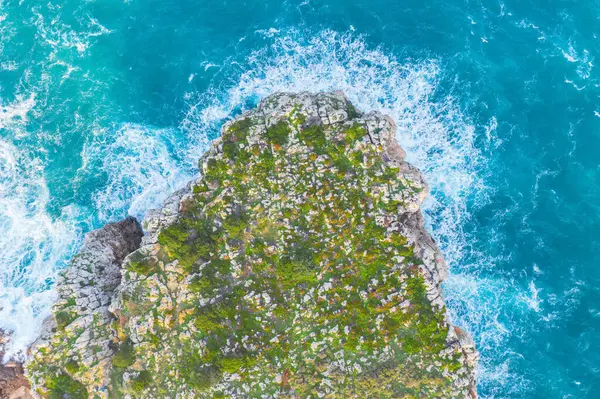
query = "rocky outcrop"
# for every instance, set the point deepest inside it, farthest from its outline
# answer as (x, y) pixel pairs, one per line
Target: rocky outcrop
(79, 334)
(296, 266)
(13, 384)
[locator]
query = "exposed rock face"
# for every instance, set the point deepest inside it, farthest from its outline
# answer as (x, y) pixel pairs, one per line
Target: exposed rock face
(13, 384)
(297, 266)
(80, 336)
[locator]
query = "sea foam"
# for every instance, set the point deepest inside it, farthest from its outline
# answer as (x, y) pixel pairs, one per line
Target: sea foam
(33, 247)
(143, 165)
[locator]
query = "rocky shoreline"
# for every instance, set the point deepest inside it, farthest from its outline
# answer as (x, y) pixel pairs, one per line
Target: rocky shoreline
(13, 384)
(263, 246)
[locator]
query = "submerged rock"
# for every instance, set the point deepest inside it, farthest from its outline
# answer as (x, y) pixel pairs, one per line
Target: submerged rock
(296, 266)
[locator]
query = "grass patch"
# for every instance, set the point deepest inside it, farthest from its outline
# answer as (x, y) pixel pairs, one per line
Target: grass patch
(314, 136)
(355, 133)
(141, 382)
(125, 355)
(279, 133)
(63, 386)
(140, 264)
(63, 319)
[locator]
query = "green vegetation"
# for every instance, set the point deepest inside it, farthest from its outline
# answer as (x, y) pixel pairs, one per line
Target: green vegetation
(285, 273)
(140, 264)
(62, 386)
(116, 383)
(355, 133)
(238, 131)
(216, 170)
(188, 252)
(352, 113)
(141, 382)
(235, 224)
(246, 233)
(292, 273)
(427, 334)
(197, 374)
(63, 319)
(125, 355)
(279, 133)
(314, 136)
(72, 367)
(232, 364)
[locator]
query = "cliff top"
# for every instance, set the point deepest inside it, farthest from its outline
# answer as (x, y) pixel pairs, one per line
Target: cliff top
(296, 266)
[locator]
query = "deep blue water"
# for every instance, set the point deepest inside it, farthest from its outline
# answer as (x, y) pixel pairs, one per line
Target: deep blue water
(106, 106)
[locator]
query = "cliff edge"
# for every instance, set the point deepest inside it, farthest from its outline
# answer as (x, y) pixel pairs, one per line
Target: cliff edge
(297, 266)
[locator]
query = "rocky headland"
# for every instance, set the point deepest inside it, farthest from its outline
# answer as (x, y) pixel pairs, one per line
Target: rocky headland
(296, 266)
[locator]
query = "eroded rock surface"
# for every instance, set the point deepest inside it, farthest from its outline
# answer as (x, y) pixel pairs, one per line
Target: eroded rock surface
(80, 335)
(297, 266)
(13, 384)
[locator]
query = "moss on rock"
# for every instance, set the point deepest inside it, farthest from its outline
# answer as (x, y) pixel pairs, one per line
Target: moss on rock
(291, 269)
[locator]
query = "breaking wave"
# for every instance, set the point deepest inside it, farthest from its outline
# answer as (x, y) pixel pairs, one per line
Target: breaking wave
(33, 247)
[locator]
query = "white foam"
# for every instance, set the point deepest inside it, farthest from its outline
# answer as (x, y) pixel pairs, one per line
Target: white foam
(533, 300)
(489, 308)
(435, 134)
(60, 35)
(571, 55)
(14, 115)
(32, 248)
(142, 166)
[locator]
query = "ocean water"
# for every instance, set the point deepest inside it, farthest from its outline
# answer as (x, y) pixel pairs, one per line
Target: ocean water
(106, 106)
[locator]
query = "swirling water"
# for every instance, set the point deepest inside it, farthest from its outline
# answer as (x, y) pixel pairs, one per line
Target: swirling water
(106, 106)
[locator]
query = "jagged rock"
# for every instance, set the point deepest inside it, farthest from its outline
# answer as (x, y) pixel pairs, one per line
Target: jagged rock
(13, 384)
(296, 266)
(79, 334)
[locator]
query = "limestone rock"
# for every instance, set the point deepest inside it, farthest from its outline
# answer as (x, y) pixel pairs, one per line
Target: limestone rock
(297, 265)
(13, 384)
(79, 339)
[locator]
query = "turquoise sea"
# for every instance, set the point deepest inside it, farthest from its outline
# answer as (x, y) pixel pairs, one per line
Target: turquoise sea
(106, 106)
